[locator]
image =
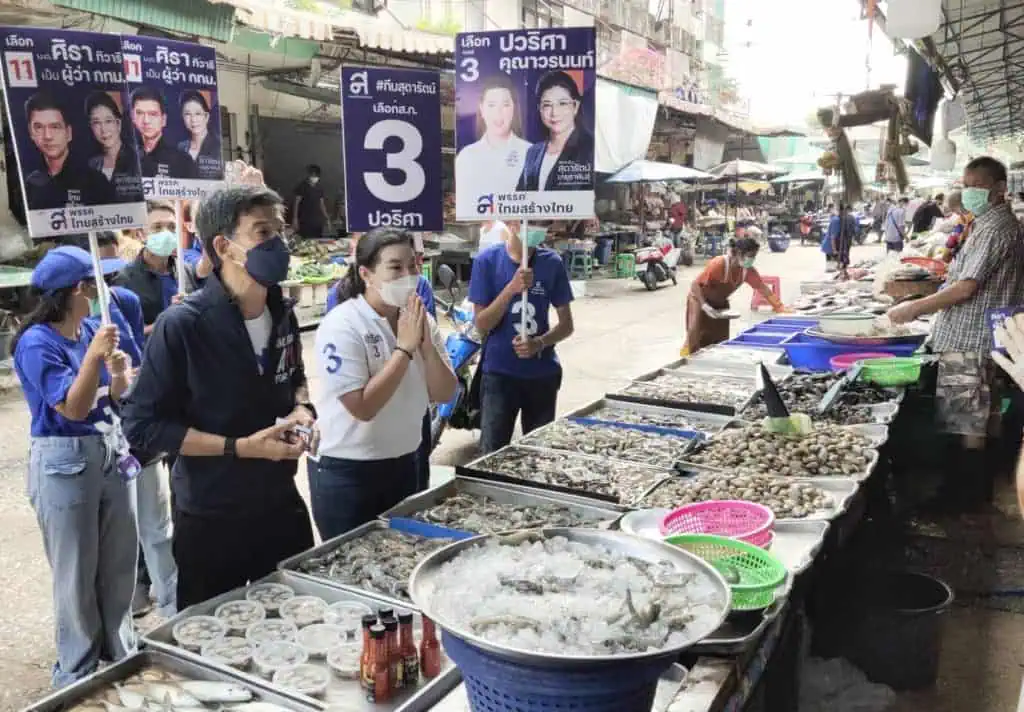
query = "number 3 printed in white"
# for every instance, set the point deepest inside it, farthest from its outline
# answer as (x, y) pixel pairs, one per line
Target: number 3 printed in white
(404, 160)
(531, 318)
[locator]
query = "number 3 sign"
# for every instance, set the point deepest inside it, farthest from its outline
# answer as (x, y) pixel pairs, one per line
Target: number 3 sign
(391, 124)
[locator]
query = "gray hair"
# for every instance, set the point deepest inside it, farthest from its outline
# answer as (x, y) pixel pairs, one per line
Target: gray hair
(955, 200)
(219, 213)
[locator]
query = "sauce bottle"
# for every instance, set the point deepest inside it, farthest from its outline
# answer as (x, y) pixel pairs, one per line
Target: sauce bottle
(378, 689)
(394, 656)
(385, 613)
(430, 651)
(407, 650)
(364, 659)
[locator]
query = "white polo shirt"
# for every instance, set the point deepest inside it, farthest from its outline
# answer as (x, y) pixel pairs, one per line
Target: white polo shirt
(353, 344)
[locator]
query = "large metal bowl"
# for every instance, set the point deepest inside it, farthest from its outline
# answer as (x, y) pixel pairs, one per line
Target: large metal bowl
(424, 586)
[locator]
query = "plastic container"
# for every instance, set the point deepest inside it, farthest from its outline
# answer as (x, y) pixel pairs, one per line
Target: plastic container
(319, 638)
(304, 610)
(892, 371)
(494, 684)
(270, 658)
(751, 572)
(348, 616)
(343, 660)
(814, 354)
(310, 680)
(269, 595)
(896, 634)
(936, 267)
(847, 324)
(842, 362)
(196, 631)
(757, 338)
(239, 615)
(786, 323)
(231, 650)
(736, 519)
(271, 631)
(778, 243)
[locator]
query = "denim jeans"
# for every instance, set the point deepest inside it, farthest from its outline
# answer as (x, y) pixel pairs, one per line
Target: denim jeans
(86, 514)
(503, 398)
(154, 513)
(347, 493)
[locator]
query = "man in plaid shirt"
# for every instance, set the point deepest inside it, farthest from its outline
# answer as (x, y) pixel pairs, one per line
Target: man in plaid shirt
(987, 274)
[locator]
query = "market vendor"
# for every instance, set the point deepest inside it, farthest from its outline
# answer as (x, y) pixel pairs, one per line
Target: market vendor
(988, 274)
(711, 291)
(381, 362)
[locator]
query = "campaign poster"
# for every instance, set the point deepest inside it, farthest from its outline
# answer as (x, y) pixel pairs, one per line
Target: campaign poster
(524, 132)
(171, 97)
(77, 162)
(391, 140)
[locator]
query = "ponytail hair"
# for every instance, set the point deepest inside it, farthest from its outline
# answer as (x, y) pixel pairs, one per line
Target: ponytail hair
(367, 254)
(51, 307)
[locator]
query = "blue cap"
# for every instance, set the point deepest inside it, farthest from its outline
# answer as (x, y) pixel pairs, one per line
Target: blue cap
(66, 266)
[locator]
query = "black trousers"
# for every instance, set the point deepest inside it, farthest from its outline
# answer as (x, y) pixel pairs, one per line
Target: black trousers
(217, 553)
(504, 398)
(423, 457)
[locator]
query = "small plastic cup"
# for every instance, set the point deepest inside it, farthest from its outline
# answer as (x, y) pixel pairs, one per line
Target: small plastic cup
(270, 595)
(270, 658)
(239, 615)
(196, 631)
(304, 610)
(272, 630)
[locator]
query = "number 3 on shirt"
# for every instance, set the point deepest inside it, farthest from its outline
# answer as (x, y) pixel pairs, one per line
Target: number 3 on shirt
(332, 361)
(531, 318)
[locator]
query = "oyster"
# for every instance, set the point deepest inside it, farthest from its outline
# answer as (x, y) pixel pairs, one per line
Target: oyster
(482, 515)
(789, 499)
(653, 448)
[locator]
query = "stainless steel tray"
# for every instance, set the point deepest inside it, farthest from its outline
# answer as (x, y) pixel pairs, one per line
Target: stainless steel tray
(341, 694)
(595, 515)
(737, 369)
(699, 406)
(797, 542)
(682, 444)
(704, 422)
(291, 566)
(743, 354)
(68, 697)
(480, 469)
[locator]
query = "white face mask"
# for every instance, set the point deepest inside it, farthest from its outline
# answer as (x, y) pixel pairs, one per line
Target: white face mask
(396, 293)
(314, 180)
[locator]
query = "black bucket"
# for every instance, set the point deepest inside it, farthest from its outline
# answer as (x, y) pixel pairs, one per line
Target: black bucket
(897, 635)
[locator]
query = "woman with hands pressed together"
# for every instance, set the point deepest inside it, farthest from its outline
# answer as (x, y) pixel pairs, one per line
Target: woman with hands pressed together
(79, 474)
(381, 362)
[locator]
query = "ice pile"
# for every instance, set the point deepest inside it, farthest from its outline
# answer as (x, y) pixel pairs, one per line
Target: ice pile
(575, 599)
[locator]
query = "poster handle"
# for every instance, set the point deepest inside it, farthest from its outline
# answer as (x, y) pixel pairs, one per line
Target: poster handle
(102, 295)
(524, 244)
(182, 235)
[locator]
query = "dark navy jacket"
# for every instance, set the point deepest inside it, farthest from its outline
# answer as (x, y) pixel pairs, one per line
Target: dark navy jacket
(199, 371)
(578, 153)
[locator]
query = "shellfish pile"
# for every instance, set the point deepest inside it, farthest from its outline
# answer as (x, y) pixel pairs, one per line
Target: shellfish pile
(802, 393)
(658, 449)
(616, 479)
(678, 419)
(827, 450)
(676, 388)
(788, 499)
(482, 515)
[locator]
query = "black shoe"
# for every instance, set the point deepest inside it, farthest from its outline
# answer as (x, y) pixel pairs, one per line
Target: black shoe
(141, 605)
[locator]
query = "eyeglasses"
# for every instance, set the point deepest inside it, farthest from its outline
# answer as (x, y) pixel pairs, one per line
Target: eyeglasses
(559, 107)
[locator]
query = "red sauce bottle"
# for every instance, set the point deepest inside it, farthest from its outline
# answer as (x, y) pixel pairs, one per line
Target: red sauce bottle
(430, 651)
(364, 659)
(394, 657)
(379, 689)
(407, 650)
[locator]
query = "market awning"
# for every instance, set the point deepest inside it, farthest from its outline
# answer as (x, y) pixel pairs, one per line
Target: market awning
(802, 177)
(738, 168)
(654, 172)
(195, 18)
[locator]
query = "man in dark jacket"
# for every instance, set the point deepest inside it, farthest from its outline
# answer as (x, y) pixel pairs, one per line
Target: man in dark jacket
(219, 371)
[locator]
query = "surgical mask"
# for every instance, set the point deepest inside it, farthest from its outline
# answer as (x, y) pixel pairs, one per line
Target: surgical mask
(535, 237)
(747, 262)
(396, 293)
(975, 200)
(162, 244)
(313, 180)
(94, 307)
(267, 263)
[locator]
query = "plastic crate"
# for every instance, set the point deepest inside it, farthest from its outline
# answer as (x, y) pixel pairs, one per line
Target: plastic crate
(814, 354)
(754, 338)
(787, 323)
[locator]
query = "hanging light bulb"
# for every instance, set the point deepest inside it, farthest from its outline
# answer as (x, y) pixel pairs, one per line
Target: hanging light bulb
(913, 19)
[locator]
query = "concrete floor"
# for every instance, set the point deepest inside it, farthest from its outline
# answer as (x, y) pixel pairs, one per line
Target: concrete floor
(621, 330)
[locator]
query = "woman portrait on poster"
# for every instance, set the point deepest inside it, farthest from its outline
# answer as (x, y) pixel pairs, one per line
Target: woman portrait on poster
(116, 158)
(564, 159)
(494, 161)
(201, 146)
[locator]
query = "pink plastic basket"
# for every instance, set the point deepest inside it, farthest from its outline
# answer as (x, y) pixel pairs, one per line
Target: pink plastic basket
(738, 519)
(841, 362)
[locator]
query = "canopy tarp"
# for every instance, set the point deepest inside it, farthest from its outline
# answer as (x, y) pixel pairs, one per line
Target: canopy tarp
(642, 171)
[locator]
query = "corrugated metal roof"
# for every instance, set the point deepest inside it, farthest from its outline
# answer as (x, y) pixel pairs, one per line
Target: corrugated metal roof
(197, 18)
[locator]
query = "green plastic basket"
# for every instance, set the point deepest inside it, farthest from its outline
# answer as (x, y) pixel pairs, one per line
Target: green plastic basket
(895, 371)
(752, 573)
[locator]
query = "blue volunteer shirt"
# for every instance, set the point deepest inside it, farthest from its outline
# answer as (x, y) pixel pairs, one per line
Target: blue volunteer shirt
(492, 270)
(126, 315)
(423, 290)
(47, 364)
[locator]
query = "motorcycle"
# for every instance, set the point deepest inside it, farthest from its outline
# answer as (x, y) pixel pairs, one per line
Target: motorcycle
(657, 263)
(463, 347)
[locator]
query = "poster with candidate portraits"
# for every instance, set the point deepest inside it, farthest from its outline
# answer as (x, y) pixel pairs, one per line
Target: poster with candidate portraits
(524, 132)
(171, 99)
(77, 162)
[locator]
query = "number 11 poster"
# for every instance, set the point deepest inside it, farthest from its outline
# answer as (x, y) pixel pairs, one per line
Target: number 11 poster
(391, 126)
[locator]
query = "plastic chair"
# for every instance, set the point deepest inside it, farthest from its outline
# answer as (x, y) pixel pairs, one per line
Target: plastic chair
(580, 265)
(625, 265)
(773, 283)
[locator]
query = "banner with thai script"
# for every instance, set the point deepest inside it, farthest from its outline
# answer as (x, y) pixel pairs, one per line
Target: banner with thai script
(391, 126)
(524, 133)
(77, 162)
(171, 98)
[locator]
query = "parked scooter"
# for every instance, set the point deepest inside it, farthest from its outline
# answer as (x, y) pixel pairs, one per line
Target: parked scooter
(462, 346)
(657, 263)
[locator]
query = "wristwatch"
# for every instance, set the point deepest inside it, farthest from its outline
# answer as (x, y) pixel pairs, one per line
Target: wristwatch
(230, 447)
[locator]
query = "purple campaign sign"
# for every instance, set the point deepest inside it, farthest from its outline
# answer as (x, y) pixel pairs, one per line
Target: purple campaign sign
(391, 125)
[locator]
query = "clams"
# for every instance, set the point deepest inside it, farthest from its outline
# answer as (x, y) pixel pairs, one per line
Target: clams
(658, 449)
(676, 388)
(802, 393)
(788, 499)
(827, 450)
(616, 479)
(482, 515)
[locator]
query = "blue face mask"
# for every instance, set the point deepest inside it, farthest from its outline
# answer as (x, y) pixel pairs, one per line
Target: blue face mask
(535, 237)
(94, 307)
(267, 263)
(975, 200)
(162, 244)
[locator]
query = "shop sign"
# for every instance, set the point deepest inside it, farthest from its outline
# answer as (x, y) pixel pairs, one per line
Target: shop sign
(391, 139)
(524, 135)
(64, 92)
(174, 108)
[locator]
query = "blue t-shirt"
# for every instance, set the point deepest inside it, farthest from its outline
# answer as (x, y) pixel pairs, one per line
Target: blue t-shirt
(192, 254)
(423, 290)
(492, 270)
(126, 315)
(47, 364)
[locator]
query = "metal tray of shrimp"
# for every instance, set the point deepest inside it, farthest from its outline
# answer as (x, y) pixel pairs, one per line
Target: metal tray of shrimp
(158, 667)
(627, 412)
(341, 693)
(726, 405)
(581, 513)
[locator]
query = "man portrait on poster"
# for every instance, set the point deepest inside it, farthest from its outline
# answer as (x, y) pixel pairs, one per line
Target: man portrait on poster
(158, 156)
